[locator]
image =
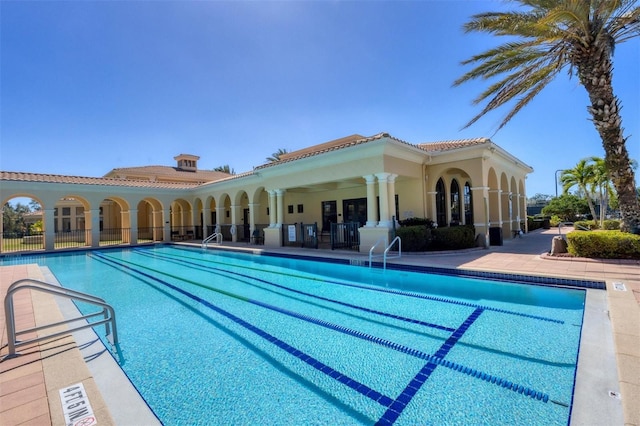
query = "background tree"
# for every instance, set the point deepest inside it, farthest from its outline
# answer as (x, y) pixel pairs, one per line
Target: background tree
(225, 169)
(12, 219)
(567, 206)
(582, 176)
(540, 198)
(547, 37)
(276, 155)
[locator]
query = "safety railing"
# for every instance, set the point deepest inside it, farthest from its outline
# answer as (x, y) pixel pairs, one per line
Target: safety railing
(107, 313)
(217, 236)
(385, 254)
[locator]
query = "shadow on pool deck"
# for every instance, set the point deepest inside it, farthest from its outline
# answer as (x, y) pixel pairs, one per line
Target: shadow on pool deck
(29, 385)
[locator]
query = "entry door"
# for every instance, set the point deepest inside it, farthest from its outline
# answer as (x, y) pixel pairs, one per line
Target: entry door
(355, 210)
(329, 215)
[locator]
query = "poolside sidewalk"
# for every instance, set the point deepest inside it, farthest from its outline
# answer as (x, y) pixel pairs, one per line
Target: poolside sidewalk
(29, 384)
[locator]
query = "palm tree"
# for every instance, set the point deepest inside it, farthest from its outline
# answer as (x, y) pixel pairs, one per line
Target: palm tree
(582, 175)
(602, 185)
(555, 35)
(276, 155)
(225, 169)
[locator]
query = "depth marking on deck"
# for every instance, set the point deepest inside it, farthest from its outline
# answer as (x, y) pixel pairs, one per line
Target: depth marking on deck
(619, 286)
(76, 407)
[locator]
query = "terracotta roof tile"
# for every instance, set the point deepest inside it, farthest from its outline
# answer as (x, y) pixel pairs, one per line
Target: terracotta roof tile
(334, 145)
(452, 144)
(37, 177)
(171, 173)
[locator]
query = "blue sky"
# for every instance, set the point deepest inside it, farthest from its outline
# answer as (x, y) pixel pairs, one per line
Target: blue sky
(94, 85)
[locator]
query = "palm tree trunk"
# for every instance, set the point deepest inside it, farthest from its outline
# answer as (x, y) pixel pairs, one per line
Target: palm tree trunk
(595, 74)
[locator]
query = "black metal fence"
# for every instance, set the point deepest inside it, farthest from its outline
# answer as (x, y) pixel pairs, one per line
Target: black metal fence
(345, 236)
(303, 235)
(22, 241)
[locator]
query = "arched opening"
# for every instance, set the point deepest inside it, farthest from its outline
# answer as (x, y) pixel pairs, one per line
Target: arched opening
(468, 204)
(441, 203)
(455, 202)
(22, 224)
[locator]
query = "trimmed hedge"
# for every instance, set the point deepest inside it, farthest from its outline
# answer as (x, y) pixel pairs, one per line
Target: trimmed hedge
(422, 238)
(604, 244)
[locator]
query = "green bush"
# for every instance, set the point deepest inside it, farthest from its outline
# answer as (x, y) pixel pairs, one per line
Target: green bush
(555, 220)
(453, 238)
(604, 244)
(415, 221)
(415, 238)
(611, 225)
(422, 238)
(588, 224)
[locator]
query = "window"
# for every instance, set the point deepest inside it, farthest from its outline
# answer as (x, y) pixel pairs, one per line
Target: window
(300, 208)
(455, 202)
(468, 204)
(441, 204)
(290, 208)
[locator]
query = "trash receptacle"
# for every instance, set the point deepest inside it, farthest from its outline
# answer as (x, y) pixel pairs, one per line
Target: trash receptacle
(495, 236)
(546, 223)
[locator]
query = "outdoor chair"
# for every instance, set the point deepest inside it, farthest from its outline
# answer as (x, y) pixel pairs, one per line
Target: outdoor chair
(256, 238)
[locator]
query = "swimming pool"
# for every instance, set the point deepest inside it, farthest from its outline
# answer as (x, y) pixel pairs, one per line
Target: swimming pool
(211, 337)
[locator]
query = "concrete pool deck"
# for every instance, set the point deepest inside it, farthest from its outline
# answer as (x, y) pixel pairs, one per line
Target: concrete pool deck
(607, 382)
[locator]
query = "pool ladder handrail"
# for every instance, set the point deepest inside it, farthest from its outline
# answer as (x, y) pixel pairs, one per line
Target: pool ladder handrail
(385, 255)
(215, 236)
(108, 313)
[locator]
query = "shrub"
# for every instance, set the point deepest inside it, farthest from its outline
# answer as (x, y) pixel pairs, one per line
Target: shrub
(581, 225)
(604, 244)
(555, 220)
(414, 221)
(611, 225)
(453, 238)
(415, 238)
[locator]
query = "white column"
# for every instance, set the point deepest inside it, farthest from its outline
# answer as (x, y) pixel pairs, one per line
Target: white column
(280, 195)
(272, 208)
(166, 215)
(133, 227)
(391, 194)
(49, 229)
(372, 207)
(234, 223)
(95, 227)
(383, 193)
(206, 221)
(253, 208)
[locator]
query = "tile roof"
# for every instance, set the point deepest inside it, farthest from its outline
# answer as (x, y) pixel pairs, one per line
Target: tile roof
(48, 178)
(452, 144)
(171, 173)
(333, 145)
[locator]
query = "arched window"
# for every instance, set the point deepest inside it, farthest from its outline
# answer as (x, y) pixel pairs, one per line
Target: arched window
(468, 204)
(455, 203)
(441, 203)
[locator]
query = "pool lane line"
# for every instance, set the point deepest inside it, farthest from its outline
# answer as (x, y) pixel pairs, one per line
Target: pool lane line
(361, 388)
(326, 299)
(405, 397)
(395, 292)
(432, 359)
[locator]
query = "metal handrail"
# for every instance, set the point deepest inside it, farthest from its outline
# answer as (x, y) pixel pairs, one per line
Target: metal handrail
(216, 235)
(384, 262)
(373, 247)
(108, 313)
(384, 255)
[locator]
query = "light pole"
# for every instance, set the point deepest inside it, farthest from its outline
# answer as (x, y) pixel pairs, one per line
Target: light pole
(556, 182)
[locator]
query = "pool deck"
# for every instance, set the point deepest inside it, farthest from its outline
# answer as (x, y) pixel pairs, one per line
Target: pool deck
(607, 382)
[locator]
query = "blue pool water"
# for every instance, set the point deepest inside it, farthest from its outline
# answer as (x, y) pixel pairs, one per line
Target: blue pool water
(211, 337)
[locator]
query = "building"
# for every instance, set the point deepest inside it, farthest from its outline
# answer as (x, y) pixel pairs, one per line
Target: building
(368, 182)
